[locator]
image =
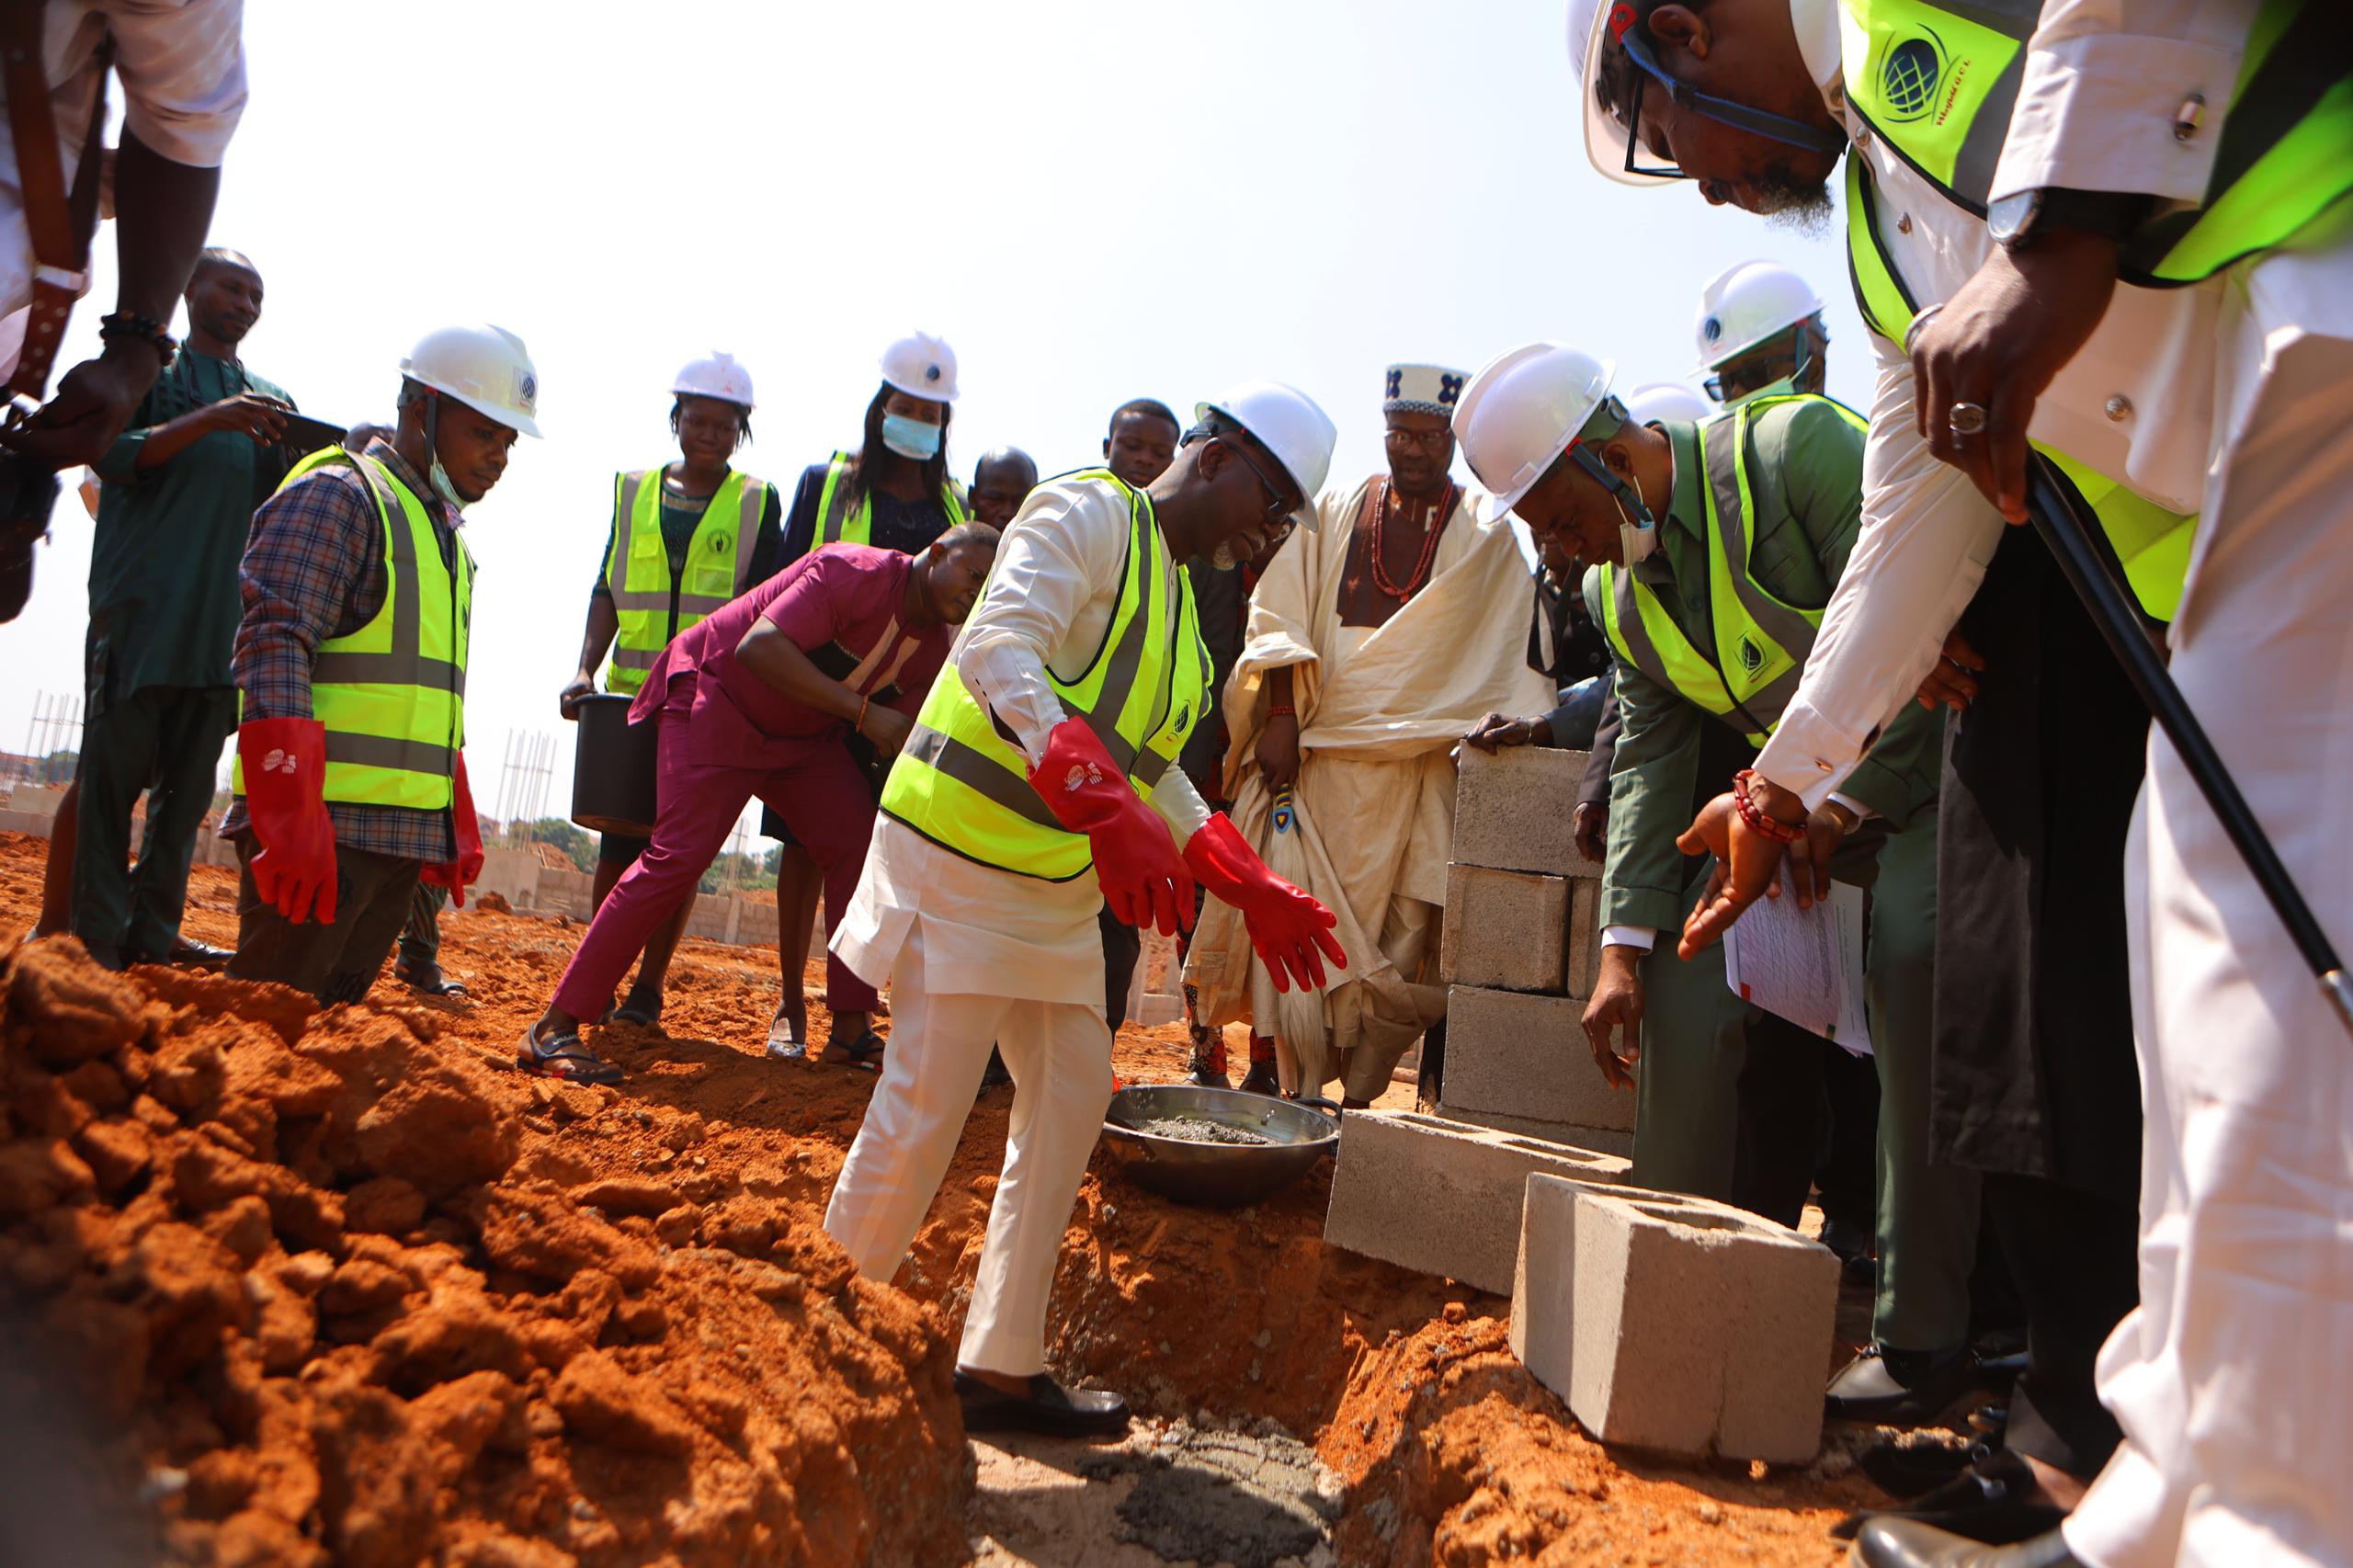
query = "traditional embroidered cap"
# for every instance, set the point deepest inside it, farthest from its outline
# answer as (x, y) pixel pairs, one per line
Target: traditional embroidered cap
(1423, 389)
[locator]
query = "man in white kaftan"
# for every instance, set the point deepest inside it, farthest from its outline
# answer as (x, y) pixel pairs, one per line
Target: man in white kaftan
(1374, 643)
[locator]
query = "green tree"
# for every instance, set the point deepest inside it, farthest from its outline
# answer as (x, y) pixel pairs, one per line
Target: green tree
(575, 841)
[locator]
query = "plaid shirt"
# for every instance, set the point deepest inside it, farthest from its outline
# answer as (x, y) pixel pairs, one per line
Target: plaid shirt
(314, 570)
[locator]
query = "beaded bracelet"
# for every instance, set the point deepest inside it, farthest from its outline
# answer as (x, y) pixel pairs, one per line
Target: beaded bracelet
(1281, 708)
(1754, 814)
(145, 329)
(859, 725)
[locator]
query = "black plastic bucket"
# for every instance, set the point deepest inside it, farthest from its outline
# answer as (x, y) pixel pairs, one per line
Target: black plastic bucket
(613, 769)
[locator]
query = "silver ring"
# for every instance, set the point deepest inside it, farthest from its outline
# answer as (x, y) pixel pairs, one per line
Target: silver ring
(1965, 418)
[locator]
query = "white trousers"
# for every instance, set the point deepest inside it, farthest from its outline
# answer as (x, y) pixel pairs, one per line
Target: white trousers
(1059, 1056)
(2233, 1379)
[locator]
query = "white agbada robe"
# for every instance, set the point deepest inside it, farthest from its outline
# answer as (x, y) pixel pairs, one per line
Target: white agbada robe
(977, 956)
(2232, 398)
(1380, 711)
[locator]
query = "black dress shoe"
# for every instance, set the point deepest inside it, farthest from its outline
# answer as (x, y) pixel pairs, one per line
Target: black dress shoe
(1852, 1243)
(1261, 1080)
(1896, 1386)
(190, 952)
(1048, 1407)
(1990, 1501)
(1913, 1470)
(1904, 1543)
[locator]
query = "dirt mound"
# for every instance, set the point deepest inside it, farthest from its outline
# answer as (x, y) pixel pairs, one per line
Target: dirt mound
(349, 1301)
(1454, 1456)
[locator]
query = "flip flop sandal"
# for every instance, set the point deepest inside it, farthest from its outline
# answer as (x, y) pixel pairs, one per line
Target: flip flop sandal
(564, 1058)
(644, 1014)
(864, 1053)
(784, 1045)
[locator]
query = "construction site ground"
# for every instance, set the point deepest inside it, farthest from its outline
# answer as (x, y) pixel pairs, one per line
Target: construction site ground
(344, 1287)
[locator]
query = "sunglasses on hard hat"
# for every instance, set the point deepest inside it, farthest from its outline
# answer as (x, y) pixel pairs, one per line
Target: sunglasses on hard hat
(1279, 506)
(1723, 111)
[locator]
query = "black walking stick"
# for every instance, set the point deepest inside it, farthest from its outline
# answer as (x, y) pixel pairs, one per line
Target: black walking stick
(2064, 528)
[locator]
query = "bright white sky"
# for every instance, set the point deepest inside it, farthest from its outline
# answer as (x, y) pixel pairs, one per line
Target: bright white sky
(1091, 202)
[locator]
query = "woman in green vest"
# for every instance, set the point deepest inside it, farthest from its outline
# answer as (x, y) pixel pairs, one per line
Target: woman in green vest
(686, 537)
(892, 492)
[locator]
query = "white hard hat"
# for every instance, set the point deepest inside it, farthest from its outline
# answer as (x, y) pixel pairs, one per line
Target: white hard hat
(1288, 424)
(485, 367)
(1604, 139)
(921, 366)
(1521, 412)
(718, 377)
(1667, 400)
(1744, 305)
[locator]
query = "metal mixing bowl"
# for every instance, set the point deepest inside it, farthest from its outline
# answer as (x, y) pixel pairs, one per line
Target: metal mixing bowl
(1225, 1174)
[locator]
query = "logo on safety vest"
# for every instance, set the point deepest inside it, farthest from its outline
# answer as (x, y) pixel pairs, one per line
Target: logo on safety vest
(1908, 78)
(1752, 657)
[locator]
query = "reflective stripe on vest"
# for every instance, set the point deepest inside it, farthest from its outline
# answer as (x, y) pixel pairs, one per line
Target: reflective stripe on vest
(637, 568)
(1937, 84)
(391, 694)
(839, 523)
(963, 785)
(2150, 543)
(1768, 640)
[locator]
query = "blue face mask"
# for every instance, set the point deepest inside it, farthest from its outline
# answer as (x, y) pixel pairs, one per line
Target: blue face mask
(910, 438)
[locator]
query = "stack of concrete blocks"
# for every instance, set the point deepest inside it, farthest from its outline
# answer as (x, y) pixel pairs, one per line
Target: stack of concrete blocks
(1521, 946)
(1674, 1323)
(1444, 1197)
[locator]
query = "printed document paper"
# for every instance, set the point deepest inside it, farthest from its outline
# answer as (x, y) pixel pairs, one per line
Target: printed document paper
(1805, 966)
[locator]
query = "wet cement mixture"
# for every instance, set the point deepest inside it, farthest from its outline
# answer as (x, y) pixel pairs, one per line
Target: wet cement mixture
(1193, 1130)
(340, 1285)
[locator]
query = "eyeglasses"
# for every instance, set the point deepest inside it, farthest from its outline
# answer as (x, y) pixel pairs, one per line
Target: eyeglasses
(1280, 507)
(1428, 440)
(1723, 111)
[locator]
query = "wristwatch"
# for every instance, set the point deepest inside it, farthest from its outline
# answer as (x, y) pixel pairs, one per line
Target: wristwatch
(2017, 221)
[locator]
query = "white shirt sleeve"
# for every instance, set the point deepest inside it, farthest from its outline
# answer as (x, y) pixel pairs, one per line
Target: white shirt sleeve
(1049, 566)
(1642, 937)
(182, 64)
(1926, 539)
(2103, 83)
(1179, 804)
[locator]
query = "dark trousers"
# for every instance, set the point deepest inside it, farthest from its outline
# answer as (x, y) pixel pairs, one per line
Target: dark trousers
(1780, 1120)
(2072, 1255)
(421, 933)
(164, 741)
(1847, 1169)
(1122, 945)
(333, 962)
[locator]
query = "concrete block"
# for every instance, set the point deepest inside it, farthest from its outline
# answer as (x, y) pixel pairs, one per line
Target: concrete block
(1675, 1323)
(1584, 965)
(1514, 809)
(1504, 929)
(1528, 1057)
(1595, 1139)
(1442, 1197)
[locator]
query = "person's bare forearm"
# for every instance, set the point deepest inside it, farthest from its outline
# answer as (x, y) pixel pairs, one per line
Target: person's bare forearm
(1279, 688)
(596, 637)
(163, 210)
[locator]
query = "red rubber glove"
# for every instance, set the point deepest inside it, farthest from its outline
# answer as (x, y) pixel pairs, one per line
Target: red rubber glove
(1287, 924)
(456, 874)
(286, 780)
(1143, 879)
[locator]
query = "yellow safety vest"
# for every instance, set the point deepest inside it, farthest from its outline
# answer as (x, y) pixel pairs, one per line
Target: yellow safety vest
(840, 523)
(637, 566)
(963, 785)
(1938, 87)
(1761, 642)
(392, 694)
(1937, 84)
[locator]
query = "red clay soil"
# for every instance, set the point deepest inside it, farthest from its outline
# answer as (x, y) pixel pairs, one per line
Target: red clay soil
(382, 1300)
